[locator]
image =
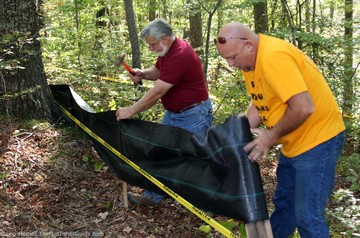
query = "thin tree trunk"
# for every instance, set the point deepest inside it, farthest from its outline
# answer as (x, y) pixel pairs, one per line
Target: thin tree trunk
(211, 13)
(165, 16)
(152, 9)
(273, 8)
(348, 92)
(78, 35)
(287, 11)
(220, 21)
(134, 41)
(261, 17)
(196, 37)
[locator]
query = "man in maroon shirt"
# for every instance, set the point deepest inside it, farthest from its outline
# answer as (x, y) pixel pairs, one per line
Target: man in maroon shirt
(180, 85)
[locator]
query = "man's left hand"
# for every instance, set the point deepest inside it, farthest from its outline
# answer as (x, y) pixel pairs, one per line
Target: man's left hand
(123, 113)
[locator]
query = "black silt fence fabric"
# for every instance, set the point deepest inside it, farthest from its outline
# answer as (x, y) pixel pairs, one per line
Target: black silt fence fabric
(210, 170)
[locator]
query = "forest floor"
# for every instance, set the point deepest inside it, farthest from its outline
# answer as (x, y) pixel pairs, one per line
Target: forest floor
(50, 187)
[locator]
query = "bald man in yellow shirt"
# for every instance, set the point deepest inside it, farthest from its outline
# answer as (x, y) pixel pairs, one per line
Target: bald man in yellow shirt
(291, 99)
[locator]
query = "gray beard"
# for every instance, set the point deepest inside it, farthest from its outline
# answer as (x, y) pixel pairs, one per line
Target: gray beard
(163, 52)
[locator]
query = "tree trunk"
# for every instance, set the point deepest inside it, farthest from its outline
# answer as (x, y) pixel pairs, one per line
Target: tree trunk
(308, 16)
(273, 9)
(287, 13)
(134, 41)
(220, 21)
(211, 14)
(164, 11)
(24, 91)
(152, 10)
(348, 92)
(261, 17)
(196, 37)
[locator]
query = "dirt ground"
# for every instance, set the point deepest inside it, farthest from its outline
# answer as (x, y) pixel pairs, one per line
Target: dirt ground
(51, 185)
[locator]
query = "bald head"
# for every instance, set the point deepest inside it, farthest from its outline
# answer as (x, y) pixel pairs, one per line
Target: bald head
(238, 45)
(235, 29)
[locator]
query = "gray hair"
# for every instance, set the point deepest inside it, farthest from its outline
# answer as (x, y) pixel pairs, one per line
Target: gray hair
(157, 29)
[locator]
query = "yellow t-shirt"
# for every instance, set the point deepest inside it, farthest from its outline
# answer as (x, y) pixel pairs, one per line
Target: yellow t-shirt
(282, 71)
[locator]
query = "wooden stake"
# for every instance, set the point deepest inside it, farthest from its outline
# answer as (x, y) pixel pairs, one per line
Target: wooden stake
(124, 190)
(268, 229)
(259, 229)
(251, 230)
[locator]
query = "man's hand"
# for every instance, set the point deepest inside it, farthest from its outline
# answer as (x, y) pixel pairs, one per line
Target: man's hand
(260, 147)
(300, 107)
(123, 113)
(136, 76)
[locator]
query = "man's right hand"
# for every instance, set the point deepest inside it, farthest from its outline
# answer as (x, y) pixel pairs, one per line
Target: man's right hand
(259, 148)
(136, 76)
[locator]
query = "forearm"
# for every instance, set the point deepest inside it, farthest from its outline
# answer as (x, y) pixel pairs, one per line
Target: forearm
(151, 97)
(147, 101)
(144, 103)
(253, 116)
(151, 73)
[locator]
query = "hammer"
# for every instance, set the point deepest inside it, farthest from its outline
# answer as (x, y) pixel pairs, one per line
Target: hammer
(121, 60)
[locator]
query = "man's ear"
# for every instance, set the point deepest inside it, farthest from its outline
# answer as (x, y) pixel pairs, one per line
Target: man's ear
(249, 45)
(165, 39)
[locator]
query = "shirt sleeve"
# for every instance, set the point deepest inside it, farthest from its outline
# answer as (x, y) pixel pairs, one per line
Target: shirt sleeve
(283, 75)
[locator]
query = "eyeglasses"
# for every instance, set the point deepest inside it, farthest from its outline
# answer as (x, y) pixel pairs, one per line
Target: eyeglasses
(153, 44)
(222, 39)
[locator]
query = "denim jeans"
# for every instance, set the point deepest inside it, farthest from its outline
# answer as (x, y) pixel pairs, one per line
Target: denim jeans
(305, 183)
(196, 120)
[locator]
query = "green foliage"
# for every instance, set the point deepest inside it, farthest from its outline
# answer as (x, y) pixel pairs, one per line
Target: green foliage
(14, 51)
(3, 174)
(97, 165)
(107, 205)
(34, 125)
(237, 227)
(205, 228)
(91, 50)
(344, 218)
(349, 167)
(231, 225)
(353, 178)
(85, 159)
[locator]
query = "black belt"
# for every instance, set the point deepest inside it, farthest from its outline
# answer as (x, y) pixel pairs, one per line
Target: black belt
(191, 106)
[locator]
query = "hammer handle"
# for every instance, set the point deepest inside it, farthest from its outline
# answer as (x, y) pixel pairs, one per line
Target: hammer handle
(130, 70)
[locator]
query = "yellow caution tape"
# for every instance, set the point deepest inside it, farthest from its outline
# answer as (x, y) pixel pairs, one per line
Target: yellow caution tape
(93, 75)
(198, 212)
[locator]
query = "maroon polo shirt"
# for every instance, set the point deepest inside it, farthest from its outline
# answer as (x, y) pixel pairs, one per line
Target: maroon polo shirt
(182, 68)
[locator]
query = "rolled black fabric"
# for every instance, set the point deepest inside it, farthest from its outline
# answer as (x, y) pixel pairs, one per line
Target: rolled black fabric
(209, 170)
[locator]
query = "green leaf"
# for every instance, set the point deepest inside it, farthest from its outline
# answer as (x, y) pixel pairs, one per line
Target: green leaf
(107, 205)
(354, 187)
(242, 230)
(98, 166)
(205, 228)
(228, 224)
(85, 159)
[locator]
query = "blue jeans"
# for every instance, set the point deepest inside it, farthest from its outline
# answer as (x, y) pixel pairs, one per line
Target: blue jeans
(305, 183)
(196, 120)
